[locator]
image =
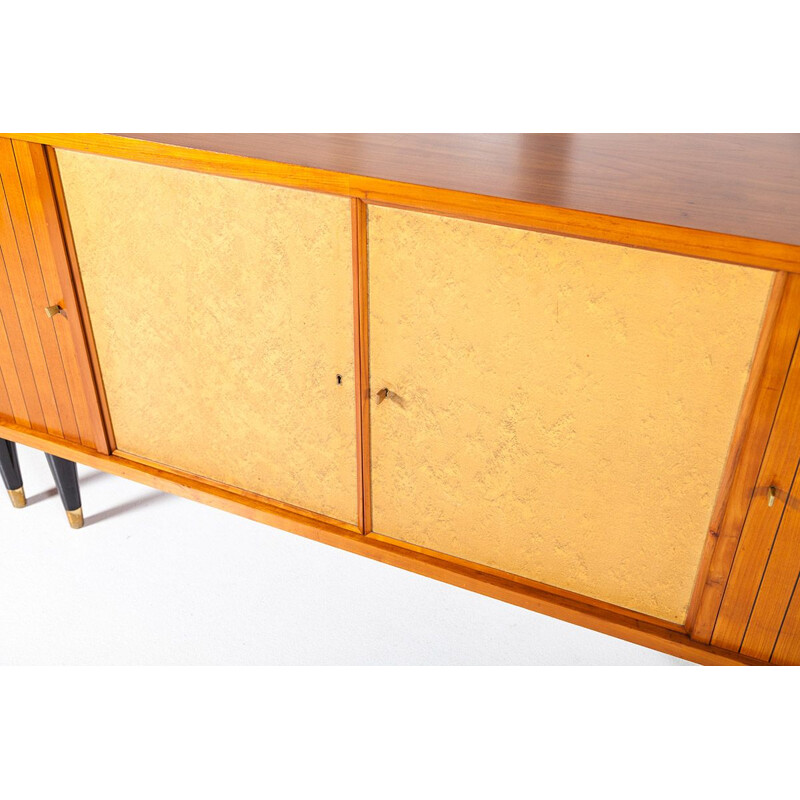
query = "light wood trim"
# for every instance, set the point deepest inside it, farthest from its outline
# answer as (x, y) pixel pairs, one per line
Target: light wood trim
(722, 543)
(735, 454)
(78, 313)
(514, 213)
(361, 327)
(600, 605)
(245, 494)
(575, 611)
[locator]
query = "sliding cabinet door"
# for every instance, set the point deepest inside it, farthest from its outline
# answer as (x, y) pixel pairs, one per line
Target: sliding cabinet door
(758, 615)
(554, 408)
(46, 383)
(222, 312)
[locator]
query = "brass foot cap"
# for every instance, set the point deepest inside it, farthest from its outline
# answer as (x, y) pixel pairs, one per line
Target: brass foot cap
(17, 497)
(75, 518)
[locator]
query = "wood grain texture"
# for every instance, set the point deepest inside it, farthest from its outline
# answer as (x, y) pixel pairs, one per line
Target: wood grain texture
(777, 583)
(6, 409)
(559, 409)
(392, 553)
(39, 358)
(741, 184)
(222, 312)
(762, 521)
(787, 647)
(33, 346)
(770, 385)
(10, 333)
(636, 231)
(361, 327)
(44, 290)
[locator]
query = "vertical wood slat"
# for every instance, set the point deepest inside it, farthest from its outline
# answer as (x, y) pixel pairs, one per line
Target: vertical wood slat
(34, 172)
(8, 369)
(763, 521)
(19, 258)
(777, 584)
(32, 415)
(19, 203)
(6, 411)
(361, 327)
(780, 338)
(68, 268)
(787, 647)
(45, 293)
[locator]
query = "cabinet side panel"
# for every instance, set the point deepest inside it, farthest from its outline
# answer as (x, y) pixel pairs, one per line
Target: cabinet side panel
(777, 583)
(766, 555)
(70, 361)
(222, 312)
(559, 409)
(19, 321)
(49, 351)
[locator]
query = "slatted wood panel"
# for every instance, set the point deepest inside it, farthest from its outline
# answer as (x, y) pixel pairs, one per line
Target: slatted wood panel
(787, 647)
(759, 609)
(777, 583)
(42, 385)
(770, 625)
(763, 521)
(16, 361)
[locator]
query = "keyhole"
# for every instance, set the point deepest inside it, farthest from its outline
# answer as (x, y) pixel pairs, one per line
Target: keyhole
(339, 379)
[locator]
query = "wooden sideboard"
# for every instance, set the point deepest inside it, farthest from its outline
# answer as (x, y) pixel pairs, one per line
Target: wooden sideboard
(558, 370)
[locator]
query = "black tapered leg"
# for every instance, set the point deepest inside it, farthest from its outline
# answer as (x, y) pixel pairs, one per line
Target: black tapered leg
(65, 474)
(12, 477)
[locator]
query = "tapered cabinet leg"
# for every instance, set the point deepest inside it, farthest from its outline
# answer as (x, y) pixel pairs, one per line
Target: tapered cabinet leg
(65, 474)
(12, 477)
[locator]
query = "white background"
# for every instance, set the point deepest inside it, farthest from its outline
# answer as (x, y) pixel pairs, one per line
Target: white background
(690, 65)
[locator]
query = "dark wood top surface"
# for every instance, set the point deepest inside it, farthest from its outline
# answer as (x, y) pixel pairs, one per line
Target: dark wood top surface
(740, 184)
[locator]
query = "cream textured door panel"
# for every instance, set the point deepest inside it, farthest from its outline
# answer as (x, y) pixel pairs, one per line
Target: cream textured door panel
(560, 409)
(222, 313)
